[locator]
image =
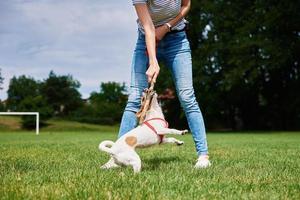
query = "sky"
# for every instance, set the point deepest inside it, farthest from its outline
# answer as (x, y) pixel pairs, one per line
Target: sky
(92, 40)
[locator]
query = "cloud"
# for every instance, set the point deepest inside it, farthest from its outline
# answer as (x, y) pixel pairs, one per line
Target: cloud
(92, 40)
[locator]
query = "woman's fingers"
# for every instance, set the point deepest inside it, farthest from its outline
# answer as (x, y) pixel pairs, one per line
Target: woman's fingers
(152, 73)
(154, 77)
(150, 76)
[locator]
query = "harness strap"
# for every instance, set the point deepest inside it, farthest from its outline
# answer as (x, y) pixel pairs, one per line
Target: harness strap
(154, 130)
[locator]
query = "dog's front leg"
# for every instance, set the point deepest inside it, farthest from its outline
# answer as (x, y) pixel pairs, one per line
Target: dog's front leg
(165, 131)
(172, 140)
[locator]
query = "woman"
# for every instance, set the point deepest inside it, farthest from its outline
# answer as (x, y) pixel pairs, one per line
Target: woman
(161, 28)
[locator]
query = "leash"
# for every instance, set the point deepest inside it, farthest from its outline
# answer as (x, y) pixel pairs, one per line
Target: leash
(145, 103)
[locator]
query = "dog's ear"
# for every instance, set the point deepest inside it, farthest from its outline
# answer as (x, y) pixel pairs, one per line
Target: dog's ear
(139, 113)
(143, 100)
(146, 101)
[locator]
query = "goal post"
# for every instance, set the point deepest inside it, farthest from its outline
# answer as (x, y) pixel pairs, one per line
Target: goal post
(37, 114)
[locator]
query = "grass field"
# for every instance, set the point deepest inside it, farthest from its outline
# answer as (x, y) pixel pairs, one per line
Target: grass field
(61, 164)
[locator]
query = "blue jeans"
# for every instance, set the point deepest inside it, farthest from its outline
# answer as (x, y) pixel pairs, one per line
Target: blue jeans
(174, 50)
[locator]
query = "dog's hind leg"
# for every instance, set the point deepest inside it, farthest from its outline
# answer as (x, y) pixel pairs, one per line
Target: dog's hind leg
(136, 162)
(172, 140)
(137, 165)
(130, 158)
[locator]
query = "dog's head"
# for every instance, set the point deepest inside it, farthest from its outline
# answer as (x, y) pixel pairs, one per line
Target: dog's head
(154, 105)
(149, 105)
(154, 109)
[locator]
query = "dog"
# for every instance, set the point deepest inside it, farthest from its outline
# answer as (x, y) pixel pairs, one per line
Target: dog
(152, 131)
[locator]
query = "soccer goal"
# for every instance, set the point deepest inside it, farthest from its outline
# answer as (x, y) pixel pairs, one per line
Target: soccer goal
(37, 129)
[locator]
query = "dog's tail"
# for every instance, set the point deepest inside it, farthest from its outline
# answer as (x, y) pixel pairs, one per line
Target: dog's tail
(104, 146)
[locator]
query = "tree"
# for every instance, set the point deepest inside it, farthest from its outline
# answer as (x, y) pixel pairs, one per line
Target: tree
(19, 89)
(37, 104)
(109, 103)
(61, 93)
(24, 96)
(1, 80)
(110, 92)
(105, 106)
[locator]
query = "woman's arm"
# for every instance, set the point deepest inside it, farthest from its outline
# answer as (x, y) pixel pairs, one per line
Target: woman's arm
(146, 21)
(162, 30)
(185, 8)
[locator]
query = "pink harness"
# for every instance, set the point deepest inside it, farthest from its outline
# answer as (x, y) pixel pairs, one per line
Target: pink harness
(154, 130)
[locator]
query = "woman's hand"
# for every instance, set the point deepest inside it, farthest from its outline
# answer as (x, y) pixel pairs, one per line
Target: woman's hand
(161, 31)
(153, 71)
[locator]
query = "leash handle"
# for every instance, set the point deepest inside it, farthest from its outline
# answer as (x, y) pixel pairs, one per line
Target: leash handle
(151, 87)
(146, 103)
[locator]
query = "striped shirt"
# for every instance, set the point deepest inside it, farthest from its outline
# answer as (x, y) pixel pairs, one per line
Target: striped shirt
(161, 12)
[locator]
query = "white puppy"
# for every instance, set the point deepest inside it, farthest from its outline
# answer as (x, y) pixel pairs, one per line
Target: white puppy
(150, 132)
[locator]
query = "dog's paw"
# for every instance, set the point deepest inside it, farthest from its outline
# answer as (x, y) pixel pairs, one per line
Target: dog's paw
(184, 132)
(110, 164)
(180, 143)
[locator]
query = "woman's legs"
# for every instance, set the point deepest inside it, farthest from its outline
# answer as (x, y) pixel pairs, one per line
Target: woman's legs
(178, 58)
(137, 85)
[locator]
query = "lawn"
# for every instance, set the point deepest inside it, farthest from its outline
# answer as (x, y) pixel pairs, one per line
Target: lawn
(65, 165)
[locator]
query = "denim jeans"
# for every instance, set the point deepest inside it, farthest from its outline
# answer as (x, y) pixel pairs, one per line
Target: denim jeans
(174, 51)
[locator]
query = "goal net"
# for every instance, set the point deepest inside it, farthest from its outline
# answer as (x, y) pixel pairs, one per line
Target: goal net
(37, 118)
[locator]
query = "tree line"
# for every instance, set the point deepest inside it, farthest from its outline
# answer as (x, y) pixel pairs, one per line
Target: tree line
(58, 96)
(246, 62)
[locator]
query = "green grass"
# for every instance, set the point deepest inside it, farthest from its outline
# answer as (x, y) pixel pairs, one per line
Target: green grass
(63, 162)
(65, 165)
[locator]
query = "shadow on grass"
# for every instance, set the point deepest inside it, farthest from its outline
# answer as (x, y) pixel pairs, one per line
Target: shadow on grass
(154, 163)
